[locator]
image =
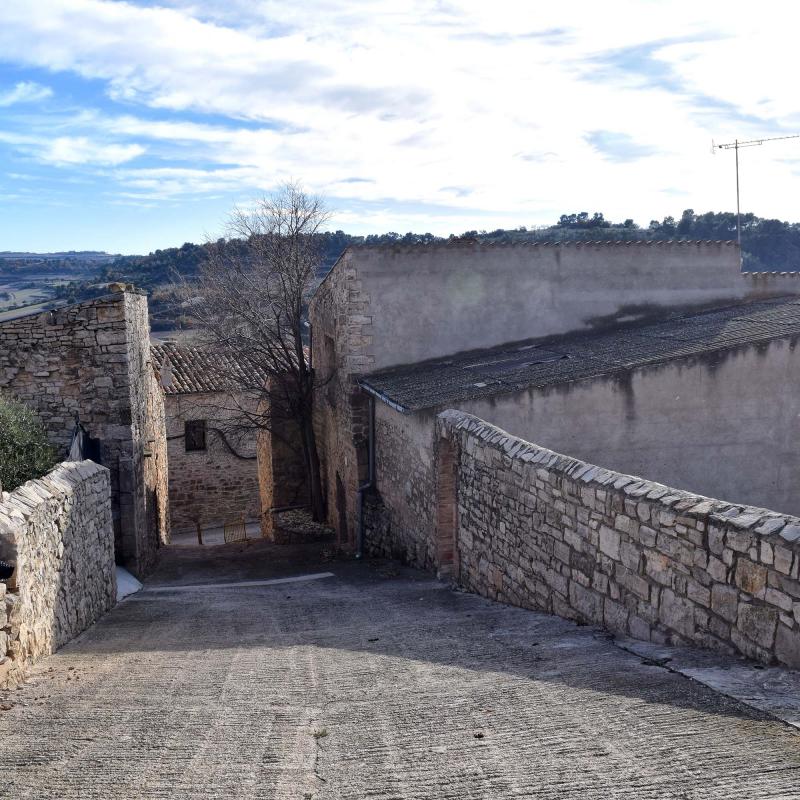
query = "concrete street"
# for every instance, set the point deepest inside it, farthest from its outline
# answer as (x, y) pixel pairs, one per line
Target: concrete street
(378, 682)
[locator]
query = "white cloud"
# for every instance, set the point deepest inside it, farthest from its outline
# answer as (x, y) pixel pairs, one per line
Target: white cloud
(25, 92)
(505, 111)
(72, 150)
(82, 150)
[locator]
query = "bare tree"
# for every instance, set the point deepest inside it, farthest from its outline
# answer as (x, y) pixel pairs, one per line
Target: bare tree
(249, 303)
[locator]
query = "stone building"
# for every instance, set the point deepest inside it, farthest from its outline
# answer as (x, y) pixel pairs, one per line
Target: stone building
(652, 377)
(548, 341)
(213, 459)
(90, 363)
(704, 402)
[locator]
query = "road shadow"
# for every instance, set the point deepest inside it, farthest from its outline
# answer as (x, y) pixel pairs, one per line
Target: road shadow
(393, 616)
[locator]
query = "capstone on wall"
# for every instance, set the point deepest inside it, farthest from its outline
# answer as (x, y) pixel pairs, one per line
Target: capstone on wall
(216, 485)
(91, 362)
(541, 530)
(58, 531)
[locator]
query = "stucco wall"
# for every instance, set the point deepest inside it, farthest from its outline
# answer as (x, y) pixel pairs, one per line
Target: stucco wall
(58, 532)
(92, 360)
(216, 485)
(726, 425)
(428, 301)
(542, 530)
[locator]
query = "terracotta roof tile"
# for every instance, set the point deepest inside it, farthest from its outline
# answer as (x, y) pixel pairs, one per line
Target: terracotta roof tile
(184, 369)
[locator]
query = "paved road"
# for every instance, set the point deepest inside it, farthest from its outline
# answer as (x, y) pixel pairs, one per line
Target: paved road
(376, 683)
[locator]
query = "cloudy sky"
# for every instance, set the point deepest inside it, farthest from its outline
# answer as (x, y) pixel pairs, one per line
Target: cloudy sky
(127, 126)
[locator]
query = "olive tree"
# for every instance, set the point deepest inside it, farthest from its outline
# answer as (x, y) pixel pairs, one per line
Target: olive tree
(24, 450)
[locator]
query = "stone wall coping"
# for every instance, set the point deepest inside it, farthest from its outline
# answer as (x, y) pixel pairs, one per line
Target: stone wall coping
(113, 295)
(23, 501)
(761, 521)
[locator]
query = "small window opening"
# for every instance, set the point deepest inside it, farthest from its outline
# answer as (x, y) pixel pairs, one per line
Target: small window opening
(194, 432)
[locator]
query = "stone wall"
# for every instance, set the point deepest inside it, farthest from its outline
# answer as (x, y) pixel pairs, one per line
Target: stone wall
(341, 339)
(58, 531)
(282, 476)
(92, 361)
(405, 471)
(541, 530)
(215, 485)
(156, 459)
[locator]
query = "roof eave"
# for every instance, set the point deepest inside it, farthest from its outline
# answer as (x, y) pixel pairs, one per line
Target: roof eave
(384, 398)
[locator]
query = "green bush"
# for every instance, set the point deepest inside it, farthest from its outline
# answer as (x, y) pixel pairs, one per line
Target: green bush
(24, 450)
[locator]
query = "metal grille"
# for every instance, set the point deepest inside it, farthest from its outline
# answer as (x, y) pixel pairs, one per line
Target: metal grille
(235, 531)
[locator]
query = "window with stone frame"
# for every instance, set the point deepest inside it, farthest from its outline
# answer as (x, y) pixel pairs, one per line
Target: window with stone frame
(194, 435)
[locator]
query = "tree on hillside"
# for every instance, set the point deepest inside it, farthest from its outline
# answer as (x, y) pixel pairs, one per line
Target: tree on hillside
(249, 301)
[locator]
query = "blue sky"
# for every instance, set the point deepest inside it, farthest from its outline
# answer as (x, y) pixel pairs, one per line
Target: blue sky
(128, 126)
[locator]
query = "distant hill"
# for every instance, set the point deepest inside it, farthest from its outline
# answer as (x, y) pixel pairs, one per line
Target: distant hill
(71, 255)
(767, 244)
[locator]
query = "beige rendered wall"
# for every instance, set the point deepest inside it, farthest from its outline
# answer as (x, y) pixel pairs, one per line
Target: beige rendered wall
(428, 301)
(726, 425)
(382, 306)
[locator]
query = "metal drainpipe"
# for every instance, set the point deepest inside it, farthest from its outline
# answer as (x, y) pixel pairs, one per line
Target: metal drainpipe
(370, 479)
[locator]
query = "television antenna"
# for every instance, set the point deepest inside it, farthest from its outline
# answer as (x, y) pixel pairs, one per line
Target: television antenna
(735, 145)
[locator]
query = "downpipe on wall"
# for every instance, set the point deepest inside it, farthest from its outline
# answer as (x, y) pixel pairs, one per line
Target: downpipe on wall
(370, 479)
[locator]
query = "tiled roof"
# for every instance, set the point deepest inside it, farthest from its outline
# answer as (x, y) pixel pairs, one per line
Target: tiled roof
(183, 369)
(562, 359)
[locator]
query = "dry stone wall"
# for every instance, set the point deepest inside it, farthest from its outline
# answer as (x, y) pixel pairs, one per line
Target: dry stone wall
(58, 532)
(542, 530)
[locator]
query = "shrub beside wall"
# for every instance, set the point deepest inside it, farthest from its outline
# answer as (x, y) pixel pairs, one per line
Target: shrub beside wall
(58, 532)
(542, 530)
(24, 450)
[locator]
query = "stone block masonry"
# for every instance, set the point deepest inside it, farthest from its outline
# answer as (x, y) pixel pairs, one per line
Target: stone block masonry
(542, 530)
(92, 361)
(59, 533)
(218, 484)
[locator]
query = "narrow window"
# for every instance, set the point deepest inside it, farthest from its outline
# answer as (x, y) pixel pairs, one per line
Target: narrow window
(194, 434)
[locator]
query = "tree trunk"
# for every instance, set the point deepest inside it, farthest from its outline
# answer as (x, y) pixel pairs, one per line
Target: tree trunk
(313, 470)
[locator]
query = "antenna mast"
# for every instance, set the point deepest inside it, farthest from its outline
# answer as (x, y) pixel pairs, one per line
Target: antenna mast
(735, 145)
